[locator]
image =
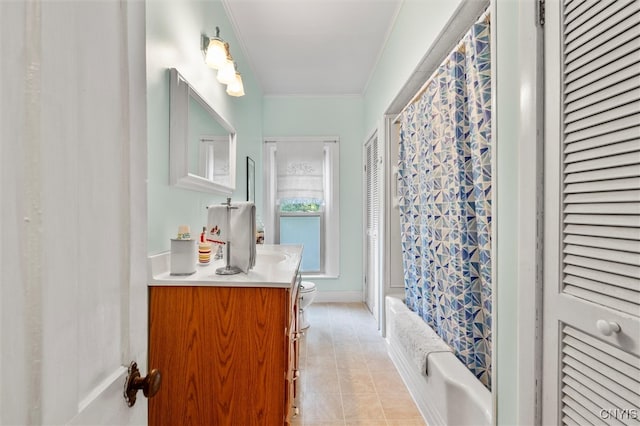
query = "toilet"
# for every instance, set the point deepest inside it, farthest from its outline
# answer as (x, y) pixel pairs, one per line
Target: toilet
(306, 294)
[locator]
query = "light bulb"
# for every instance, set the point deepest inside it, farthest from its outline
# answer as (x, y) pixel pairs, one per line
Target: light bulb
(216, 53)
(236, 88)
(227, 72)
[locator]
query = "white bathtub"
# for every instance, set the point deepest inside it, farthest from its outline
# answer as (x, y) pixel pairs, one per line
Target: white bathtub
(450, 394)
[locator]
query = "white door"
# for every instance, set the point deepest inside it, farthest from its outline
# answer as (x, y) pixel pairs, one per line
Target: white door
(371, 278)
(73, 299)
(591, 313)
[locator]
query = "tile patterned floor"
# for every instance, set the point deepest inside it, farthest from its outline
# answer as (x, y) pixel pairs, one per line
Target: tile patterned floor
(347, 377)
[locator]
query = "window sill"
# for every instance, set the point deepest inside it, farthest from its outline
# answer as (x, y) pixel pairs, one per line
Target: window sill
(319, 276)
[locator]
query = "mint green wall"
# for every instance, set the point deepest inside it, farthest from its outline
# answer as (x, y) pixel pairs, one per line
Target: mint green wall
(417, 25)
(173, 41)
(340, 116)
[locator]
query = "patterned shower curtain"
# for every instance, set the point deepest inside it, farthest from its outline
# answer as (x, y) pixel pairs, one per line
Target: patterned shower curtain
(445, 202)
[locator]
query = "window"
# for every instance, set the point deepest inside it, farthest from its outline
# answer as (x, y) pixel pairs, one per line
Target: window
(301, 200)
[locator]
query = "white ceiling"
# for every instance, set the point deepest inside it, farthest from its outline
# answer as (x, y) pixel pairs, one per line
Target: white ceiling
(312, 47)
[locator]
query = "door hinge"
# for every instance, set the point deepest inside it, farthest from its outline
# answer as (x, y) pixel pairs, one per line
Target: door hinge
(541, 12)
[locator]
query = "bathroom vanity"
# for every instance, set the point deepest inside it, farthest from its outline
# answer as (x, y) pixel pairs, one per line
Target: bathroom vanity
(226, 346)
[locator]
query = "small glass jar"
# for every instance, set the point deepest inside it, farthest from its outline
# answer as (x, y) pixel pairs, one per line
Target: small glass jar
(259, 232)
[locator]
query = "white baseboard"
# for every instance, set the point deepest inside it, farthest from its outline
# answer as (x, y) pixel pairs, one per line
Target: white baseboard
(338, 296)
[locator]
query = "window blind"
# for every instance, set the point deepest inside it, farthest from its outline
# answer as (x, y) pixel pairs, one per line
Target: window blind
(300, 167)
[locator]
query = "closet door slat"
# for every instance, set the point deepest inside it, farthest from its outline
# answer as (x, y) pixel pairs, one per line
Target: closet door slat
(614, 104)
(604, 151)
(595, 292)
(604, 208)
(602, 385)
(584, 411)
(604, 254)
(570, 6)
(603, 32)
(615, 280)
(601, 79)
(566, 420)
(611, 380)
(603, 56)
(606, 116)
(595, 14)
(604, 197)
(624, 87)
(581, 9)
(605, 362)
(588, 21)
(587, 132)
(604, 347)
(578, 415)
(602, 220)
(622, 233)
(574, 388)
(608, 162)
(603, 174)
(599, 88)
(603, 185)
(603, 243)
(603, 265)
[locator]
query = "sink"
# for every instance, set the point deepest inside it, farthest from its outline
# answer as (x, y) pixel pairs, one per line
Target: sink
(270, 258)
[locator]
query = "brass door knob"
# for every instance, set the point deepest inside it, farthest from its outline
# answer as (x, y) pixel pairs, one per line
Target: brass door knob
(149, 384)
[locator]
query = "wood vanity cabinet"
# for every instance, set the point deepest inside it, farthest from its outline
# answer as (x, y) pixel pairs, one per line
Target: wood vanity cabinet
(227, 355)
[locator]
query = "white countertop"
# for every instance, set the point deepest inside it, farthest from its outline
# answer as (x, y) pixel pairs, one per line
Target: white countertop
(276, 266)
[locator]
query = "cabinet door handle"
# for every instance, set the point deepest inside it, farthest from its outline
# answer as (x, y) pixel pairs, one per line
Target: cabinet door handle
(150, 385)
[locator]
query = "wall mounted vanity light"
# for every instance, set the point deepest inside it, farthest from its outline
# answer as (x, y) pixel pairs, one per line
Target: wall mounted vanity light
(236, 88)
(217, 56)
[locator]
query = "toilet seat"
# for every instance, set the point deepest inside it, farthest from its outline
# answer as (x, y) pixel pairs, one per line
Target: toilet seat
(307, 286)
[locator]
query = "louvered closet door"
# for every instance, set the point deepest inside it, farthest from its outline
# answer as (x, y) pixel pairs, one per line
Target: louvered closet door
(371, 275)
(591, 373)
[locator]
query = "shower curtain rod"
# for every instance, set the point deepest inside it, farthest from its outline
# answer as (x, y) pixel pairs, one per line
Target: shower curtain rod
(486, 16)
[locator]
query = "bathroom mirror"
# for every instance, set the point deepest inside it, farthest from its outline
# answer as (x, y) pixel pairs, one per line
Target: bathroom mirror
(202, 144)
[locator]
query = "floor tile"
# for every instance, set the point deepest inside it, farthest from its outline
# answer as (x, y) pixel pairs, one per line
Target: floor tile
(347, 377)
(321, 407)
(355, 381)
(362, 406)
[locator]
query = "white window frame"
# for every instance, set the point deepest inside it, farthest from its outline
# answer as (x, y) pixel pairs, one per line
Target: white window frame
(330, 240)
